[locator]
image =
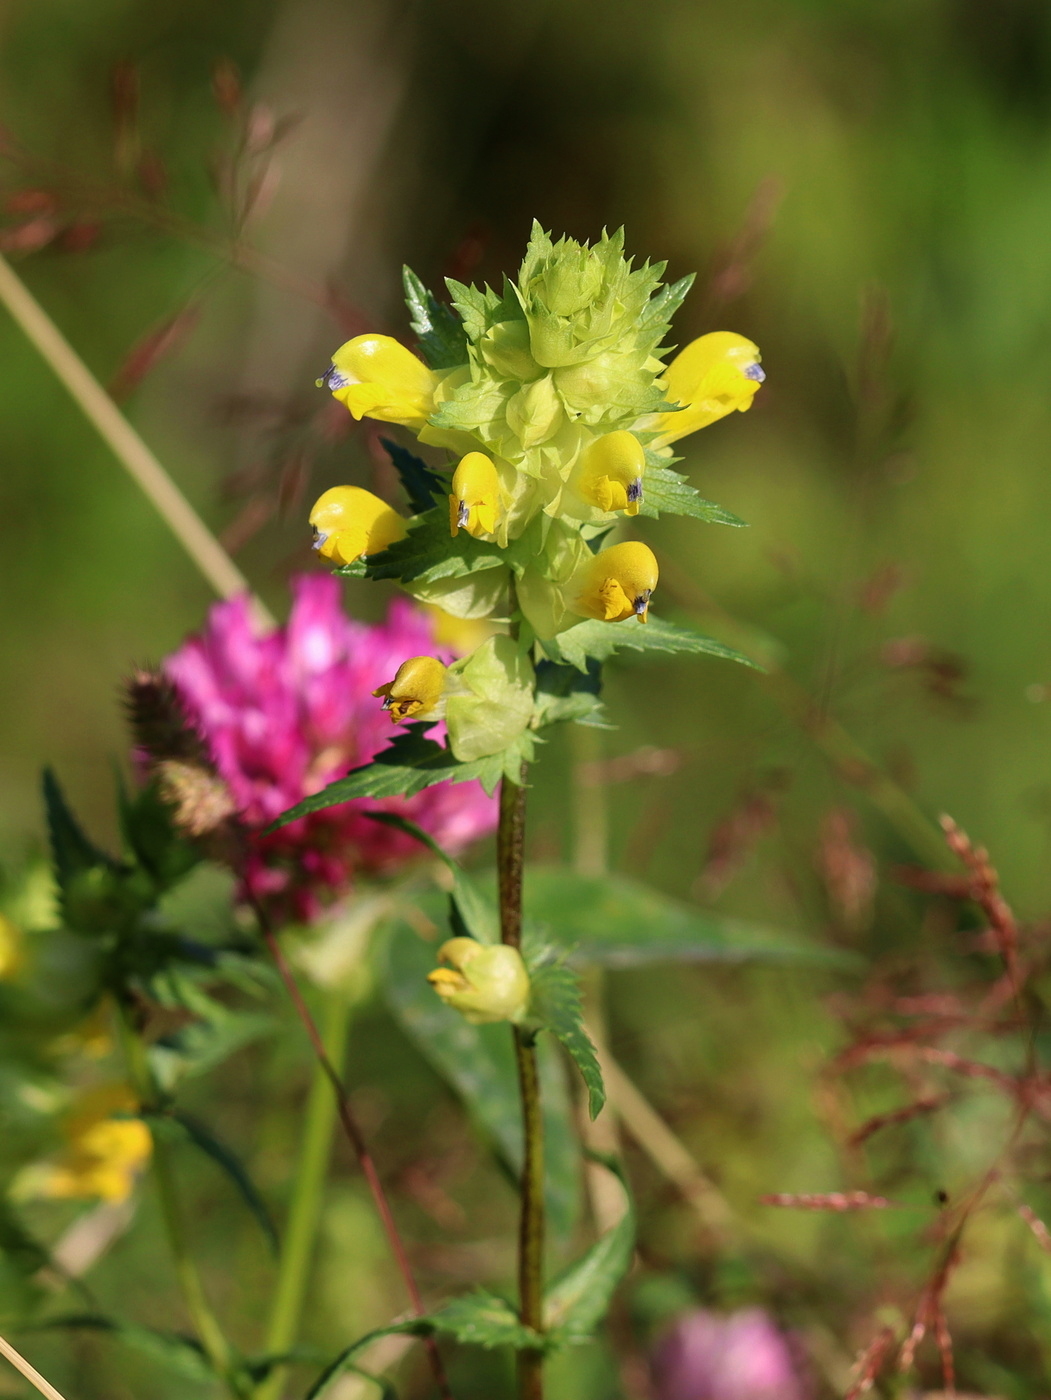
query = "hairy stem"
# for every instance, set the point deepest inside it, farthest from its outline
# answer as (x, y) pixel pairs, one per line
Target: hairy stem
(209, 1332)
(304, 1214)
(510, 849)
(356, 1138)
(126, 444)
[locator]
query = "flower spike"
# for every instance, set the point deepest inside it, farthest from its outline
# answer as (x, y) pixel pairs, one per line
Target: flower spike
(349, 522)
(415, 690)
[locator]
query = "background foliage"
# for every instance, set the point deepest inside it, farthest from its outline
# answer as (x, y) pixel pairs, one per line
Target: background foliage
(866, 190)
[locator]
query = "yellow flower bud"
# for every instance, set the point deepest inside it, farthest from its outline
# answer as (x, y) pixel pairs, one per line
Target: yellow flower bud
(376, 377)
(609, 474)
(713, 376)
(475, 496)
(11, 955)
(349, 522)
(415, 690)
(486, 982)
(617, 583)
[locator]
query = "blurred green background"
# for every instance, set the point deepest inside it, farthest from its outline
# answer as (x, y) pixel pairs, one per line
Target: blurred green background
(865, 190)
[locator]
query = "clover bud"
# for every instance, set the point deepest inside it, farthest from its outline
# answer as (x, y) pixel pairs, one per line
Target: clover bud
(376, 377)
(610, 471)
(617, 583)
(475, 496)
(349, 522)
(713, 376)
(485, 982)
(415, 690)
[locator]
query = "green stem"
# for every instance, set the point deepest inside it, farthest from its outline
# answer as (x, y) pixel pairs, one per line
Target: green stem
(304, 1215)
(510, 855)
(209, 1332)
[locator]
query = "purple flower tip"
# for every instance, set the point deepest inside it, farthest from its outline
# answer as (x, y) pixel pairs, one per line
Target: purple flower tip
(735, 1356)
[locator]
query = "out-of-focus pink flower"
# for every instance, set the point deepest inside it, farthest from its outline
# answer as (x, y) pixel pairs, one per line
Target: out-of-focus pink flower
(285, 712)
(713, 1356)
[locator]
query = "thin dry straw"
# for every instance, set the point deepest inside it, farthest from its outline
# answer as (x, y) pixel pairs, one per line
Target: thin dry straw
(31, 1374)
(141, 464)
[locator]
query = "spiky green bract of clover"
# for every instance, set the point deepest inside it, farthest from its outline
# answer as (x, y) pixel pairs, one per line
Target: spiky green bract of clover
(556, 407)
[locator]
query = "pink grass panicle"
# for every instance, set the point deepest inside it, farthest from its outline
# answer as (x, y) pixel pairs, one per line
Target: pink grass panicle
(285, 712)
(714, 1356)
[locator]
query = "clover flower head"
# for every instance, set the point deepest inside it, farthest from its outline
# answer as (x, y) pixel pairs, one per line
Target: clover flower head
(284, 712)
(740, 1356)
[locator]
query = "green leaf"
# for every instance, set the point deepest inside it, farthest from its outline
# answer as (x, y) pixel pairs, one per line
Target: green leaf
(556, 1004)
(151, 836)
(577, 1300)
(181, 1355)
(599, 640)
(416, 1326)
(421, 484)
(564, 693)
(478, 1063)
(484, 1319)
(430, 552)
(617, 922)
(227, 1160)
(443, 342)
(480, 917)
(73, 852)
(670, 492)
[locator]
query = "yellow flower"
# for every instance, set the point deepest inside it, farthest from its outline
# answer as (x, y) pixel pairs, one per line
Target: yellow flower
(104, 1154)
(475, 496)
(460, 635)
(617, 583)
(11, 954)
(349, 522)
(713, 376)
(376, 377)
(610, 473)
(415, 690)
(485, 982)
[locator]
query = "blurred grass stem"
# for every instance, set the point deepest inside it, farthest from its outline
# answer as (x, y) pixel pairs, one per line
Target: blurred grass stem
(115, 430)
(304, 1217)
(355, 1136)
(31, 1374)
(510, 857)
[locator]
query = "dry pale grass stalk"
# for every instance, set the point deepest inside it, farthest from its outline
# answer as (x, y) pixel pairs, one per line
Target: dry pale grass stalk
(140, 463)
(31, 1374)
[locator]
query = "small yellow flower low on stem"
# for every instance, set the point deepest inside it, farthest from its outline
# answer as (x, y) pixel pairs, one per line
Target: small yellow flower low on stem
(486, 982)
(617, 583)
(376, 377)
(349, 521)
(415, 690)
(475, 497)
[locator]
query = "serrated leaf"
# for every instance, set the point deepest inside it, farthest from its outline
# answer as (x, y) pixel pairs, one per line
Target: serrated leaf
(577, 1300)
(72, 850)
(429, 552)
(555, 1003)
(480, 918)
(613, 921)
(443, 341)
(594, 640)
(479, 1064)
(227, 1160)
(152, 838)
(564, 693)
(484, 1319)
(670, 492)
(422, 485)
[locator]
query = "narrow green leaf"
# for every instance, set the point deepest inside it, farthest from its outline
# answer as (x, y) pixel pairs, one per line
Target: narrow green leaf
(479, 915)
(669, 492)
(429, 552)
(484, 1319)
(577, 1300)
(443, 341)
(557, 1005)
(417, 1326)
(73, 852)
(478, 1063)
(181, 1355)
(616, 922)
(227, 1160)
(593, 640)
(422, 485)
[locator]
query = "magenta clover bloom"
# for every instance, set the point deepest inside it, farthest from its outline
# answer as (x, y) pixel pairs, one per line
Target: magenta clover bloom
(285, 712)
(740, 1356)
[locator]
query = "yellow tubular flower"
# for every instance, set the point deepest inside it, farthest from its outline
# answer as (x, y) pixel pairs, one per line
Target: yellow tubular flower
(105, 1154)
(486, 982)
(475, 496)
(713, 376)
(610, 473)
(376, 377)
(415, 690)
(349, 522)
(617, 583)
